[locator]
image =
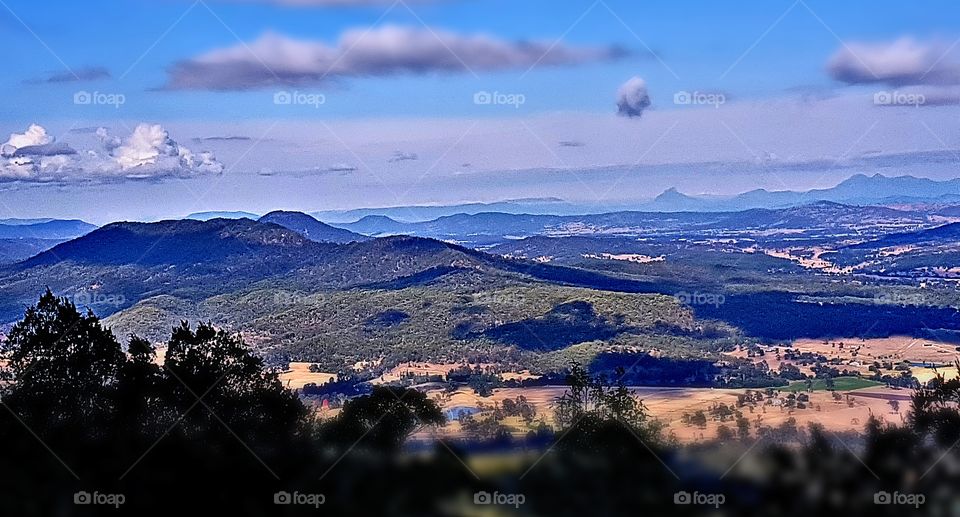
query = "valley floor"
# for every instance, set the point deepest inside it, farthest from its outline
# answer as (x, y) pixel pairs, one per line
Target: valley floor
(668, 405)
(843, 407)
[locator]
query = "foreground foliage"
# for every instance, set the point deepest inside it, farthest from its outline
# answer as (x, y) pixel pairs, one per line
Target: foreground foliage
(209, 429)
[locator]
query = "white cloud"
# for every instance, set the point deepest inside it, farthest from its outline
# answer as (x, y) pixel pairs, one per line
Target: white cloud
(904, 61)
(146, 146)
(400, 156)
(33, 153)
(633, 98)
(148, 153)
(204, 163)
(274, 59)
(34, 135)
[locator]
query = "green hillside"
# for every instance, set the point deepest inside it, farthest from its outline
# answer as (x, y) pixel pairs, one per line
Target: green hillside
(447, 320)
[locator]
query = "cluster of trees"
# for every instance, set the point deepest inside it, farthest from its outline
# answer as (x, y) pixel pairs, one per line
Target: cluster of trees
(206, 426)
(599, 413)
(481, 380)
(489, 426)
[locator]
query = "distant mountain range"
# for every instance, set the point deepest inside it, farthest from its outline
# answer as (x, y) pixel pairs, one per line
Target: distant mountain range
(20, 222)
(23, 238)
(422, 213)
(856, 190)
(492, 228)
(44, 229)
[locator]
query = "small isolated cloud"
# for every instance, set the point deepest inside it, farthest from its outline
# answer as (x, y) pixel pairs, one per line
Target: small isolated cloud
(341, 167)
(89, 130)
(148, 153)
(633, 98)
(274, 59)
(202, 139)
(91, 73)
(904, 61)
(400, 156)
(765, 158)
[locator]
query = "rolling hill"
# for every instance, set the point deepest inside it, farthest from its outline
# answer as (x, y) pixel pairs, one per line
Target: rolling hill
(15, 250)
(384, 300)
(311, 228)
(123, 263)
(932, 253)
(946, 234)
(392, 299)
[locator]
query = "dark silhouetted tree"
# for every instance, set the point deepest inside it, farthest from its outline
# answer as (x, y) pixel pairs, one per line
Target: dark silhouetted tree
(382, 420)
(64, 367)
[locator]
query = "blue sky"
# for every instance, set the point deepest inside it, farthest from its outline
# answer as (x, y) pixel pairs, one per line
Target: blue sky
(185, 66)
(138, 40)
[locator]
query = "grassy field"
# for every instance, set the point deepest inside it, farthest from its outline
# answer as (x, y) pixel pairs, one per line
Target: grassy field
(839, 384)
(668, 406)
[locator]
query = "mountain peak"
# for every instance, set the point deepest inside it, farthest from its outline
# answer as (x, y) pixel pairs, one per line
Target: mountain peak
(671, 194)
(370, 219)
(206, 216)
(175, 242)
(310, 227)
